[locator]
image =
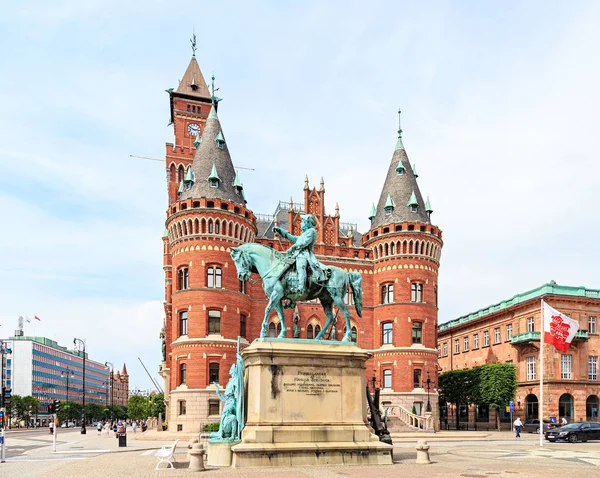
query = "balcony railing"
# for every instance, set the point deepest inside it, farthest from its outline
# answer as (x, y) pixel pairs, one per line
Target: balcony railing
(535, 337)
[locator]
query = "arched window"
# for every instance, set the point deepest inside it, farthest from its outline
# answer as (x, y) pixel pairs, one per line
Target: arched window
(216, 227)
(182, 374)
(565, 407)
(317, 330)
(183, 322)
(591, 408)
(274, 330)
(387, 293)
(210, 226)
(310, 332)
(180, 173)
(386, 333)
(393, 249)
(353, 334)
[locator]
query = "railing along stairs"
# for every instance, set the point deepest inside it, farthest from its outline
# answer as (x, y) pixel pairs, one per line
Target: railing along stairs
(411, 420)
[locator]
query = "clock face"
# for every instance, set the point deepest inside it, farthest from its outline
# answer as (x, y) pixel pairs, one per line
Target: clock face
(193, 129)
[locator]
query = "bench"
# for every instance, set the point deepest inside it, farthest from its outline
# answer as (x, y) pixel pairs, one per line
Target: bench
(166, 455)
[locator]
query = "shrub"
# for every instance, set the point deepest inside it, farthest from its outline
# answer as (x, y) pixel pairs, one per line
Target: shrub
(212, 427)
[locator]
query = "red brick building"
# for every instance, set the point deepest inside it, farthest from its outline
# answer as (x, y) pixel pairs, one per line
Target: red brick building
(207, 307)
(509, 332)
(120, 387)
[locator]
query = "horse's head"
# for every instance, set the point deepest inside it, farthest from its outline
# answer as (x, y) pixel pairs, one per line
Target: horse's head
(242, 263)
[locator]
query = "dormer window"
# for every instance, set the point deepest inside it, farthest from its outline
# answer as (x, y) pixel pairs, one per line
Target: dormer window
(213, 183)
(214, 179)
(220, 140)
(414, 208)
(412, 203)
(400, 170)
(389, 204)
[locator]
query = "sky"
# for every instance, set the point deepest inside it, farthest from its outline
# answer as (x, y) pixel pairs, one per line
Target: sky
(499, 111)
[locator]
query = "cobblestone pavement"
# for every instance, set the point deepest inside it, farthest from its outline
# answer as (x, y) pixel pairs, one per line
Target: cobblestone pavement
(495, 455)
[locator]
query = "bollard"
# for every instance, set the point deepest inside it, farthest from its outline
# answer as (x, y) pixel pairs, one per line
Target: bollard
(423, 453)
(191, 444)
(197, 457)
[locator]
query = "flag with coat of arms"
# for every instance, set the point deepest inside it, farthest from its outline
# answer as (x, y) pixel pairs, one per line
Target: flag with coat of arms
(559, 330)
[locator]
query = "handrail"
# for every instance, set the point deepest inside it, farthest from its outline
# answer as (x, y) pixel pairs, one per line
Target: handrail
(417, 422)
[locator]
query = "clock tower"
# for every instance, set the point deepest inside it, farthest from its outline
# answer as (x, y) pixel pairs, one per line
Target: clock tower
(190, 105)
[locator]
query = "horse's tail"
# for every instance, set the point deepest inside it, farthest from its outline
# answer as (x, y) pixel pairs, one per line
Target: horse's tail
(356, 285)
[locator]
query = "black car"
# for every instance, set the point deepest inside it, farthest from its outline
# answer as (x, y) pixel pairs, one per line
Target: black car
(533, 426)
(574, 432)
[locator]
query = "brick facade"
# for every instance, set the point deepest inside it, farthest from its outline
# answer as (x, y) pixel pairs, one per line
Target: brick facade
(200, 233)
(513, 330)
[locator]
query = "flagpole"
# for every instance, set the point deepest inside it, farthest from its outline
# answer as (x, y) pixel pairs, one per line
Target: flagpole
(541, 407)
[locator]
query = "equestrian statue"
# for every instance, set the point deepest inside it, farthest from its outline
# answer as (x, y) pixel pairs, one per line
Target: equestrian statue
(298, 275)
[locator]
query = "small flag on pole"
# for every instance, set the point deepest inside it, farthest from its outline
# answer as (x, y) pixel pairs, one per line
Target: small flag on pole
(36, 318)
(559, 330)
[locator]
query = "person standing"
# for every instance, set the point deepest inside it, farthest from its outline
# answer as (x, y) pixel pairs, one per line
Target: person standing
(518, 424)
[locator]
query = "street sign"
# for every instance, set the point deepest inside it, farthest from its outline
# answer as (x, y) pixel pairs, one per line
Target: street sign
(511, 406)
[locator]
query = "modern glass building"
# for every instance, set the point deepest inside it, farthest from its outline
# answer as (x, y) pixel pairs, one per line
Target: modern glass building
(39, 367)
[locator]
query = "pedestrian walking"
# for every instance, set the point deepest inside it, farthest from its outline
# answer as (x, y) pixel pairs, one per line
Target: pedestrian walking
(563, 421)
(134, 427)
(99, 428)
(518, 424)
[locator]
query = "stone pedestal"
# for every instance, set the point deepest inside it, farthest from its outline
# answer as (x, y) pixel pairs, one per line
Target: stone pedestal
(219, 453)
(306, 405)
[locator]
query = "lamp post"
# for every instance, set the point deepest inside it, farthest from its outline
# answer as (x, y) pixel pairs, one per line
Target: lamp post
(67, 373)
(428, 382)
(81, 344)
(110, 385)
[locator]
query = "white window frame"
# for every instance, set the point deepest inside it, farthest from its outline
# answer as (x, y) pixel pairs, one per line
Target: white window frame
(445, 349)
(531, 368)
(486, 338)
(456, 346)
(497, 336)
(592, 329)
(508, 332)
(466, 344)
(530, 324)
(475, 341)
(592, 367)
(566, 367)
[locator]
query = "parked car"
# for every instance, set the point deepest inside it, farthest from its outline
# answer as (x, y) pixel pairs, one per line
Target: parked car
(68, 425)
(574, 432)
(533, 426)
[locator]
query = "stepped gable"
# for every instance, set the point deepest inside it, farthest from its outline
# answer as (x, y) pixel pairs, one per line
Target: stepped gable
(400, 185)
(212, 156)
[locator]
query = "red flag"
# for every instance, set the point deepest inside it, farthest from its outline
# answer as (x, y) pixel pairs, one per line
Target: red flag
(36, 318)
(559, 330)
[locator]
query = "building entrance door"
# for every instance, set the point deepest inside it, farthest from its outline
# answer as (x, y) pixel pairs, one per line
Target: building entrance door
(531, 407)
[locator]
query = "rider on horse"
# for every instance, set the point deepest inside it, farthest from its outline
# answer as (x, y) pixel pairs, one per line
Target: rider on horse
(302, 251)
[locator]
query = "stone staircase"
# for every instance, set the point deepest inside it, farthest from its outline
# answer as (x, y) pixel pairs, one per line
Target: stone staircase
(400, 420)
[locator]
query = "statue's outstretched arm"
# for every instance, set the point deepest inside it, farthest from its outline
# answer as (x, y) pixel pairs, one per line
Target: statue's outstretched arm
(284, 233)
(219, 395)
(306, 239)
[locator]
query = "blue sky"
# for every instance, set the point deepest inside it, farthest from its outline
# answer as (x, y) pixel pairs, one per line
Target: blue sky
(499, 106)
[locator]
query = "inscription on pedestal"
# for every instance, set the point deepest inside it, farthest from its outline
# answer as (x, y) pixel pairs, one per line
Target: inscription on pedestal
(312, 383)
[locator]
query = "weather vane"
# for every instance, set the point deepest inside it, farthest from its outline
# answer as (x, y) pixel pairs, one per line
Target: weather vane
(399, 124)
(193, 42)
(215, 99)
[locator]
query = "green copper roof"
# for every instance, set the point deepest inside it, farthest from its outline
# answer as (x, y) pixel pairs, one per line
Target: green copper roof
(236, 182)
(400, 166)
(213, 112)
(414, 168)
(219, 137)
(213, 173)
(373, 211)
(428, 207)
(413, 200)
(389, 203)
(198, 140)
(166, 233)
(180, 190)
(189, 176)
(546, 289)
(399, 144)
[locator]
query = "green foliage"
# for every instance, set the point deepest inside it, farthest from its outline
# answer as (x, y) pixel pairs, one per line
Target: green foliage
(212, 427)
(414, 410)
(69, 411)
(491, 384)
(157, 405)
(93, 411)
(137, 407)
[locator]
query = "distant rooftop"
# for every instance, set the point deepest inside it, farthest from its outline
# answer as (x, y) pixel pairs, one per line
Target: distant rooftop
(546, 289)
(49, 343)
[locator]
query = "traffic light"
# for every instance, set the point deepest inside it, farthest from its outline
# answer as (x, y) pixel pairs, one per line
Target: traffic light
(51, 408)
(1, 419)
(56, 406)
(6, 394)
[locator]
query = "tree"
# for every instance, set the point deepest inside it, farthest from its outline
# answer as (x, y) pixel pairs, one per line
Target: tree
(15, 404)
(137, 407)
(157, 405)
(497, 386)
(93, 411)
(458, 388)
(69, 411)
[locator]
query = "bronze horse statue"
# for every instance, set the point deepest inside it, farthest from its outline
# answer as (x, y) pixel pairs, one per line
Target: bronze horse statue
(279, 283)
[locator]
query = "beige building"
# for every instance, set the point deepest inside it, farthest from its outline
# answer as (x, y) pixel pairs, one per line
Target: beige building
(120, 387)
(509, 332)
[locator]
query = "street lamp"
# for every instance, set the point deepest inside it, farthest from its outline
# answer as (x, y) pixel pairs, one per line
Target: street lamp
(110, 379)
(81, 344)
(428, 382)
(67, 373)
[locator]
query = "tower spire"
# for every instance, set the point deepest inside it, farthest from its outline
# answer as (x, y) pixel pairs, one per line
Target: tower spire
(399, 144)
(193, 42)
